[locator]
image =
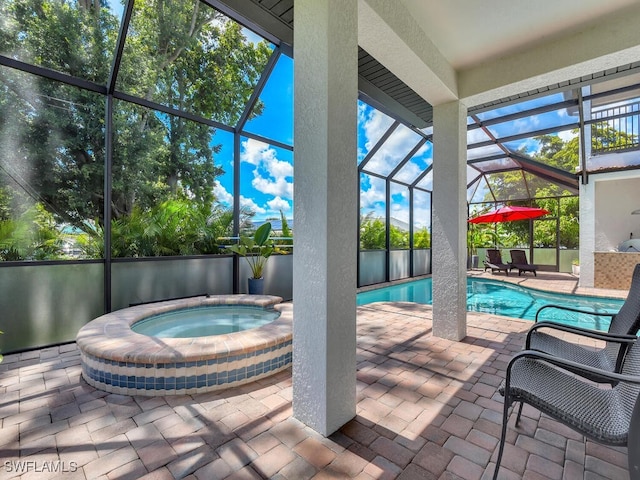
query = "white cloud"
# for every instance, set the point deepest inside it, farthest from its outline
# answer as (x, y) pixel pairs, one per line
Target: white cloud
(567, 135)
(421, 217)
(409, 173)
(279, 187)
(374, 125)
(251, 205)
(369, 198)
(278, 204)
(271, 175)
(254, 152)
(221, 194)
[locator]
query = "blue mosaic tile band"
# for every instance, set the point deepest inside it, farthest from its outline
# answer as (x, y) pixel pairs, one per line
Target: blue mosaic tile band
(268, 360)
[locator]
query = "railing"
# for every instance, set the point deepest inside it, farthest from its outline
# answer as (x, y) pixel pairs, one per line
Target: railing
(615, 129)
(278, 241)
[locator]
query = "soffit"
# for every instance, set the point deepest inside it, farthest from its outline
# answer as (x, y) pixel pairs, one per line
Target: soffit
(381, 87)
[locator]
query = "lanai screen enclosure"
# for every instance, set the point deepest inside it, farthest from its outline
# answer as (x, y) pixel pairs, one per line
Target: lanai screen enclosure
(139, 138)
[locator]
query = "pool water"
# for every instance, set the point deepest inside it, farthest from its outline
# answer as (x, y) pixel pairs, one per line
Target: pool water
(502, 298)
(204, 321)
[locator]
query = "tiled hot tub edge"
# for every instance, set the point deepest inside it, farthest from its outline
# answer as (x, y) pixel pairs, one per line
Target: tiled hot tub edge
(118, 360)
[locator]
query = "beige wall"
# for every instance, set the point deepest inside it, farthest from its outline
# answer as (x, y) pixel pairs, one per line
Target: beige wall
(615, 200)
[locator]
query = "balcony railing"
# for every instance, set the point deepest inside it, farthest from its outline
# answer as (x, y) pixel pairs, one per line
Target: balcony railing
(615, 129)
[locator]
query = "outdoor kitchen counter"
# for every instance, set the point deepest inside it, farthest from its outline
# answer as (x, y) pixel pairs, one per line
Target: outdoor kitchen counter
(614, 269)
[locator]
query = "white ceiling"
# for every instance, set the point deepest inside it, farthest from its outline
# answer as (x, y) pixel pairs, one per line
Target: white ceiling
(469, 32)
(480, 51)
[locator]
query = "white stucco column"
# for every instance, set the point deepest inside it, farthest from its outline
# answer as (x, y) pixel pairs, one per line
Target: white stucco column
(324, 267)
(587, 233)
(449, 221)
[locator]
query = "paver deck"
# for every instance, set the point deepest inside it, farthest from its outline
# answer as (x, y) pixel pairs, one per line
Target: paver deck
(427, 408)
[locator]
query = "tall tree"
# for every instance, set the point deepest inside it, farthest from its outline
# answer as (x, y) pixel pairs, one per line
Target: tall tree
(182, 54)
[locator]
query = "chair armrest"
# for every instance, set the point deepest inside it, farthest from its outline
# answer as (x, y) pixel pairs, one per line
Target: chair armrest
(623, 339)
(570, 366)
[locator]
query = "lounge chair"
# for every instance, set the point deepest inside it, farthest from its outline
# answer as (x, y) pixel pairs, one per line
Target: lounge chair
(519, 261)
(494, 262)
(622, 333)
(609, 416)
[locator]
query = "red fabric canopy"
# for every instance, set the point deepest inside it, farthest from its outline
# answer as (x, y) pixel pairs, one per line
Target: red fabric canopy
(509, 214)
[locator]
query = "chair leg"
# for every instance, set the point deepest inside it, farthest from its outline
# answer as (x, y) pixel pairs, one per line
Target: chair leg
(503, 437)
(633, 449)
(519, 413)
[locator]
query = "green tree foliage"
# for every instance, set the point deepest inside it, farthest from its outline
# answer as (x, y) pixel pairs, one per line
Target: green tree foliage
(480, 236)
(286, 232)
(31, 235)
(373, 234)
(184, 55)
(422, 238)
(174, 227)
(604, 138)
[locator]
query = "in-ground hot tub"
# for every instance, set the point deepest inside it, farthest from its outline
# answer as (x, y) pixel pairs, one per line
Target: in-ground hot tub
(117, 359)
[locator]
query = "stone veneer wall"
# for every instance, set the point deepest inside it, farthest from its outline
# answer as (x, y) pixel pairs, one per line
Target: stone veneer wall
(614, 269)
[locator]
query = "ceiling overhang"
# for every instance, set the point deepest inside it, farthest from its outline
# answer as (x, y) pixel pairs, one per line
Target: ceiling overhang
(378, 85)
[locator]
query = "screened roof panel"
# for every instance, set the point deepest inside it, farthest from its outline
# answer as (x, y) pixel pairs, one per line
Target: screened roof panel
(521, 106)
(427, 181)
(531, 123)
(65, 36)
(372, 125)
(472, 174)
(477, 135)
(508, 185)
(479, 192)
(275, 105)
(209, 65)
(531, 146)
(393, 151)
(487, 151)
(535, 183)
(416, 165)
(493, 165)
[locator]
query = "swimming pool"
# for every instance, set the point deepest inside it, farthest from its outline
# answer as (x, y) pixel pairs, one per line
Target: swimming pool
(204, 321)
(502, 298)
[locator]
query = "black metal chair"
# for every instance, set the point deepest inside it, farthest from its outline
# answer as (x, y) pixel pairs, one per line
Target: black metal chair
(607, 415)
(622, 333)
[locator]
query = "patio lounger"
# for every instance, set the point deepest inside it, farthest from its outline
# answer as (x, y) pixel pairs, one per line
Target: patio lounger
(494, 262)
(519, 261)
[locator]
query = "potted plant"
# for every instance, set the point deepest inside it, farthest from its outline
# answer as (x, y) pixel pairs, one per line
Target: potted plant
(575, 267)
(478, 236)
(256, 250)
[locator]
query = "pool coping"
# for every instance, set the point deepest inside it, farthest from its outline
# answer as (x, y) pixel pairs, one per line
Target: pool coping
(111, 337)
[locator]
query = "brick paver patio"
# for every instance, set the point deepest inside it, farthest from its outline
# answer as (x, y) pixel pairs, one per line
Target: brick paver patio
(427, 408)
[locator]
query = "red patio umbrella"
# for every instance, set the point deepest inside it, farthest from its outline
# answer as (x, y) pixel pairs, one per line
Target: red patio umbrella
(509, 214)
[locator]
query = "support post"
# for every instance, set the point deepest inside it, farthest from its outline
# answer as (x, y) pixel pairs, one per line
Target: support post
(449, 221)
(325, 203)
